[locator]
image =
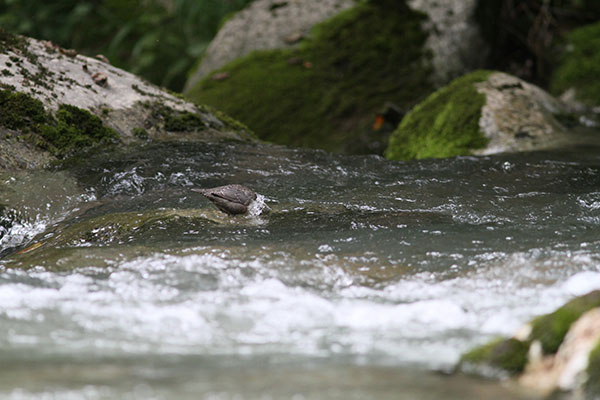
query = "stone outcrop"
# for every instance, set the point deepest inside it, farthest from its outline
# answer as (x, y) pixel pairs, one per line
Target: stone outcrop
(55, 101)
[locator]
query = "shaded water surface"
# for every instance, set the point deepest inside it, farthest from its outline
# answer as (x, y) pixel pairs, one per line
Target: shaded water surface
(367, 278)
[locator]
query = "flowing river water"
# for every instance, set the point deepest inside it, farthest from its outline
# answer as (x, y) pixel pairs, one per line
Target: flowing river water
(367, 280)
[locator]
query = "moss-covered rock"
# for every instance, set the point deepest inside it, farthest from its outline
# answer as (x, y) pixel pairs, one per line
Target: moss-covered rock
(550, 329)
(445, 124)
(76, 129)
(482, 112)
(54, 102)
(579, 66)
(20, 111)
(70, 129)
(326, 92)
(592, 386)
(501, 355)
(510, 356)
(262, 25)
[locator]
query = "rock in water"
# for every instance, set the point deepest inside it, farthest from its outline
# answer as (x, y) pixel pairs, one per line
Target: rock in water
(235, 199)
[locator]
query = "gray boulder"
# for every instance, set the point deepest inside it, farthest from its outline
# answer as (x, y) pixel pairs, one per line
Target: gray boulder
(55, 101)
(455, 42)
(519, 116)
(264, 25)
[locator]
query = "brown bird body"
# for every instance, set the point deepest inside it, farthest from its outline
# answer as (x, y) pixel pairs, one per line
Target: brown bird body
(231, 199)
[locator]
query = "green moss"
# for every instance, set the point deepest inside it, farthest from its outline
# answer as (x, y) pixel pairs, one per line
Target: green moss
(579, 66)
(187, 122)
(508, 355)
(75, 129)
(184, 122)
(445, 124)
(178, 121)
(230, 123)
(592, 386)
(550, 329)
(326, 92)
(20, 111)
(10, 41)
(511, 355)
(71, 129)
(142, 92)
(140, 133)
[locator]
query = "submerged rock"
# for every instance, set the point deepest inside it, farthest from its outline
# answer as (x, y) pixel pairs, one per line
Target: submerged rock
(66, 239)
(483, 112)
(557, 351)
(55, 102)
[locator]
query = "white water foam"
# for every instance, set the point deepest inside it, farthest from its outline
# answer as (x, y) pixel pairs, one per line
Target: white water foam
(216, 304)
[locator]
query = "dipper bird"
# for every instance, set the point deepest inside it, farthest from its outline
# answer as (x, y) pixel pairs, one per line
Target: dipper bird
(235, 199)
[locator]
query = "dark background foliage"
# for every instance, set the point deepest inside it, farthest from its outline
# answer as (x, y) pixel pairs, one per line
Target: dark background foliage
(157, 39)
(524, 34)
(162, 39)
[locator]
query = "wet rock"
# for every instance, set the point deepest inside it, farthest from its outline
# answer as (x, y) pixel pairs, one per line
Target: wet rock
(556, 351)
(592, 386)
(496, 359)
(565, 369)
(483, 112)
(263, 25)
(109, 229)
(53, 98)
(18, 154)
(66, 240)
(551, 329)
